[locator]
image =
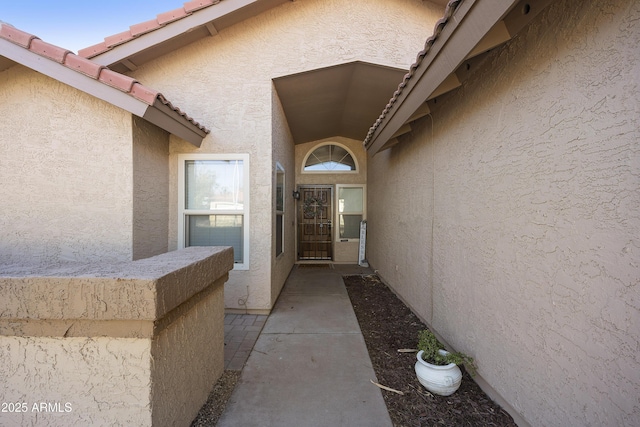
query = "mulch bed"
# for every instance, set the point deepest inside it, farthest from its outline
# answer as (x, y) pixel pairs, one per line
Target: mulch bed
(387, 325)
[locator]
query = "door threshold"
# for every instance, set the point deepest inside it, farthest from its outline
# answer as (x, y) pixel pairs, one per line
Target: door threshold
(325, 265)
(314, 261)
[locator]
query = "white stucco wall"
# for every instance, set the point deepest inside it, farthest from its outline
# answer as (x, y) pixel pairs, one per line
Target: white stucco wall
(150, 189)
(514, 222)
(65, 169)
(225, 82)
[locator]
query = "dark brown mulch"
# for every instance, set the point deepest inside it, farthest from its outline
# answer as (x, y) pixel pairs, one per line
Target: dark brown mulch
(388, 325)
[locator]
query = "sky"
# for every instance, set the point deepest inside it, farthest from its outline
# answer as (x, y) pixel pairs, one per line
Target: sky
(76, 24)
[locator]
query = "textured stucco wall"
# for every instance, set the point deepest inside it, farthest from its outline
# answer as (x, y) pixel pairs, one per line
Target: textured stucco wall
(62, 197)
(188, 359)
(514, 221)
(150, 189)
(138, 343)
(225, 82)
(87, 380)
(284, 154)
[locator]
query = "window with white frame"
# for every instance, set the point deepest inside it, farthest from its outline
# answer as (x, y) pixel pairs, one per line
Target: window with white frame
(351, 210)
(214, 202)
(329, 158)
(279, 209)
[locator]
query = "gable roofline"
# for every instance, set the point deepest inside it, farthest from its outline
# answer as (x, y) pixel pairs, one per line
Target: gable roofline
(468, 30)
(171, 30)
(96, 80)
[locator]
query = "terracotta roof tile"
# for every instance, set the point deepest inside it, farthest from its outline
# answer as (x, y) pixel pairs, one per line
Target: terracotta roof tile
(192, 6)
(144, 93)
(16, 36)
(452, 6)
(137, 30)
(172, 15)
(83, 65)
(117, 39)
(94, 50)
(117, 80)
(144, 27)
(50, 51)
(68, 59)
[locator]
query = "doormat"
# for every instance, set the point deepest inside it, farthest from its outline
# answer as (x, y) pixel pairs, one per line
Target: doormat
(327, 266)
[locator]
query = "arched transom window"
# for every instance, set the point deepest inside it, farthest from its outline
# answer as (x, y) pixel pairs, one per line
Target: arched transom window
(330, 158)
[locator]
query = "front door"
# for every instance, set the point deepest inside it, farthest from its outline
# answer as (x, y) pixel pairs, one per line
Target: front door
(314, 223)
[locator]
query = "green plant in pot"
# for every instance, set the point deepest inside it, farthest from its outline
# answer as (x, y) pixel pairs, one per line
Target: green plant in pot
(436, 368)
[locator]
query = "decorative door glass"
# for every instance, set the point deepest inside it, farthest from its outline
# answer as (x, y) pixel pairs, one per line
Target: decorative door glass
(314, 223)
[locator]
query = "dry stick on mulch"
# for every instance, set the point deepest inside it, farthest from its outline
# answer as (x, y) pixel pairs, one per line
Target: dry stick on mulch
(388, 325)
(384, 387)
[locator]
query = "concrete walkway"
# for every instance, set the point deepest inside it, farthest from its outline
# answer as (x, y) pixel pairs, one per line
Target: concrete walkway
(309, 366)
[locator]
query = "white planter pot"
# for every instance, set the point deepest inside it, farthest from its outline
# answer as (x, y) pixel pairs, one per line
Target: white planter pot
(441, 380)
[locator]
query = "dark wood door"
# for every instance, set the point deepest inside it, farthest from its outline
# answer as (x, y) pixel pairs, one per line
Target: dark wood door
(314, 223)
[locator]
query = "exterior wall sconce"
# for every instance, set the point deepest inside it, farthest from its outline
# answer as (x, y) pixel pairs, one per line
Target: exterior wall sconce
(296, 195)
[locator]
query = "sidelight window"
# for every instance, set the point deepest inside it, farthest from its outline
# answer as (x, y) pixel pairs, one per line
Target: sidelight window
(351, 209)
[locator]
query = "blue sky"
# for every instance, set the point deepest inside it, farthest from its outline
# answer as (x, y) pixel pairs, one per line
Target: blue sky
(75, 24)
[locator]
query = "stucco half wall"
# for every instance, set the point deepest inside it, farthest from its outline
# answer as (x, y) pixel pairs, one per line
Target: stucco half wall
(137, 343)
(509, 219)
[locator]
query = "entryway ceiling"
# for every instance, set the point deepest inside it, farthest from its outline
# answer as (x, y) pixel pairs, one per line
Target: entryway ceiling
(343, 100)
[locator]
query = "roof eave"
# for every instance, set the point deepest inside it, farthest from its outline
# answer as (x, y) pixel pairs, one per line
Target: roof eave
(72, 78)
(158, 113)
(164, 117)
(203, 18)
(458, 41)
